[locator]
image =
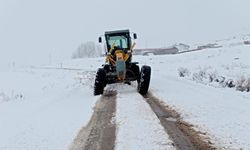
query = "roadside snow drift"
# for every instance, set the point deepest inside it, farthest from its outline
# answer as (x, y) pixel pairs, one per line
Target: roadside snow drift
(43, 108)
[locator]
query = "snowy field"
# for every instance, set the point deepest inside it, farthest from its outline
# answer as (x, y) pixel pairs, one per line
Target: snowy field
(220, 111)
(45, 107)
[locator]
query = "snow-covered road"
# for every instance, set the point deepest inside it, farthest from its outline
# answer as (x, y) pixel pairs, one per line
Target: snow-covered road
(137, 125)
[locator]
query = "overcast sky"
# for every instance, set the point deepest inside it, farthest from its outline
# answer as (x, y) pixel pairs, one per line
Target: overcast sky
(32, 30)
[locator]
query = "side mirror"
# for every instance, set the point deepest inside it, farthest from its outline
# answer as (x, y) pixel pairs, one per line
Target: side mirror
(135, 36)
(100, 39)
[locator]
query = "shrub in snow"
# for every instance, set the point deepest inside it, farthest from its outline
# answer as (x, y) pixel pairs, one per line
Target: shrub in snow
(196, 77)
(229, 83)
(208, 76)
(183, 72)
(220, 79)
(200, 76)
(13, 96)
(3, 97)
(212, 76)
(243, 84)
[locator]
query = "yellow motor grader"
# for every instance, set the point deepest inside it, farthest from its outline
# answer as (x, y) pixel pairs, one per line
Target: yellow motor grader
(119, 66)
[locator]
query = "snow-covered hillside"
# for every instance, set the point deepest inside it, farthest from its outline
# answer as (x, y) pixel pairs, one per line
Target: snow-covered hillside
(44, 107)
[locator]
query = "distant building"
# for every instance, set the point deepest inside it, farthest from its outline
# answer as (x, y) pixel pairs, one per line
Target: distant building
(214, 45)
(246, 42)
(156, 51)
(182, 47)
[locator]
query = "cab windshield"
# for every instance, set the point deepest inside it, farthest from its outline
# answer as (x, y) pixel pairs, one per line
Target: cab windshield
(120, 41)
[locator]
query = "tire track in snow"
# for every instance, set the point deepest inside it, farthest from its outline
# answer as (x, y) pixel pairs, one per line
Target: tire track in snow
(136, 125)
(100, 133)
(182, 134)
